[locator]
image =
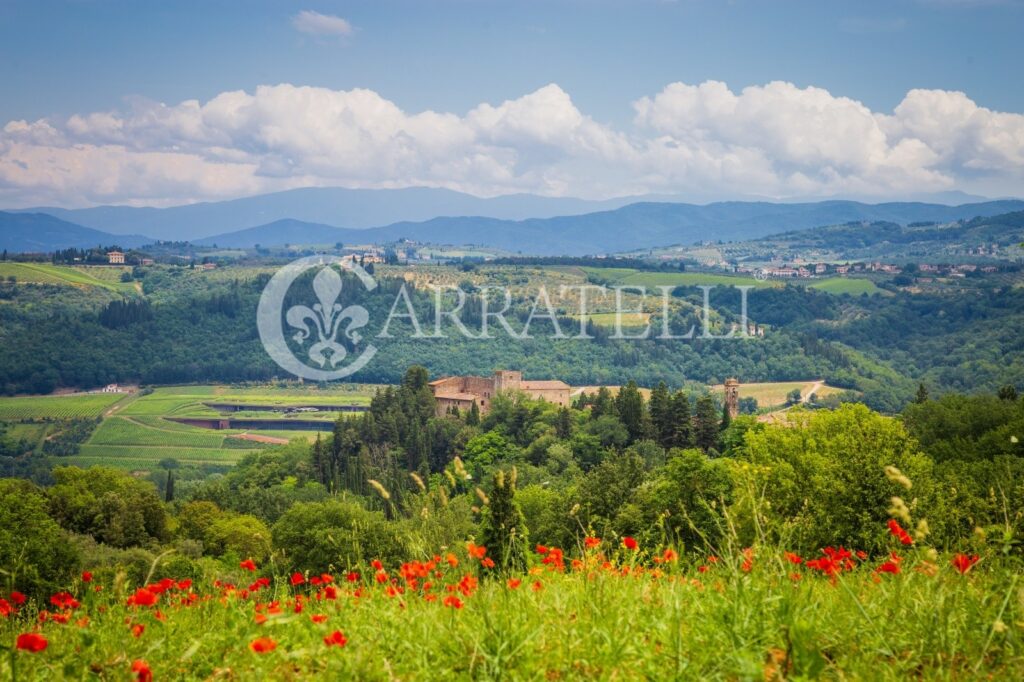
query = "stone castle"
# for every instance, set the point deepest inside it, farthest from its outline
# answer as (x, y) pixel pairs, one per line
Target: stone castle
(462, 392)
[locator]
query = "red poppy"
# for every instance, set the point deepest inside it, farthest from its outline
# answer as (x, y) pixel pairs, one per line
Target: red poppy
(142, 597)
(352, 577)
(591, 542)
(476, 551)
(32, 642)
(142, 671)
(138, 629)
(963, 563)
(17, 598)
(793, 558)
(318, 617)
(889, 567)
(86, 577)
(541, 549)
(514, 583)
(452, 601)
(64, 600)
(629, 543)
(902, 535)
(336, 638)
(248, 565)
(487, 562)
(262, 645)
(6, 608)
(297, 578)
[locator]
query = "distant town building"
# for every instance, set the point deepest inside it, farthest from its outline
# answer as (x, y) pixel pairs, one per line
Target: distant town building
(462, 392)
(146, 261)
(208, 266)
(115, 257)
(111, 388)
(820, 268)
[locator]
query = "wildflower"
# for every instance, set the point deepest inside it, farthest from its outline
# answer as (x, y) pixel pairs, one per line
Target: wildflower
(452, 560)
(453, 602)
(64, 600)
(352, 577)
(963, 563)
(262, 645)
(899, 510)
(336, 638)
(17, 598)
(748, 559)
(31, 642)
(487, 562)
(514, 583)
(137, 630)
(591, 542)
(537, 586)
(142, 671)
(86, 577)
(793, 558)
(248, 565)
(889, 567)
(541, 549)
(318, 617)
(629, 543)
(142, 597)
(6, 608)
(899, 533)
(476, 551)
(297, 578)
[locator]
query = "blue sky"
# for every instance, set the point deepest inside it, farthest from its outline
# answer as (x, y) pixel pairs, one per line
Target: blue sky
(450, 56)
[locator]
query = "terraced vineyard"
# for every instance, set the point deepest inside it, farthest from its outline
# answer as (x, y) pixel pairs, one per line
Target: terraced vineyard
(77, 406)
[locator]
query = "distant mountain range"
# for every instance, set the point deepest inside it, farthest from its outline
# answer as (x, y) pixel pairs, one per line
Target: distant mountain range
(257, 220)
(351, 208)
(37, 232)
(636, 226)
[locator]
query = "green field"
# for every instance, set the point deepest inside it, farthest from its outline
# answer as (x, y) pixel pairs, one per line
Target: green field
(773, 393)
(77, 406)
(847, 285)
(631, 277)
(43, 273)
(124, 431)
(628, 319)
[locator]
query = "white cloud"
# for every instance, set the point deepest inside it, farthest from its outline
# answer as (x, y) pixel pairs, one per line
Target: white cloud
(315, 23)
(774, 140)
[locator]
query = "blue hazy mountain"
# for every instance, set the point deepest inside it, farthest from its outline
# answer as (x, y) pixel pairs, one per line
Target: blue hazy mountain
(39, 232)
(636, 226)
(353, 208)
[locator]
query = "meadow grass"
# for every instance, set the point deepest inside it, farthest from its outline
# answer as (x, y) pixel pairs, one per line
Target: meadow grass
(847, 285)
(44, 273)
(615, 616)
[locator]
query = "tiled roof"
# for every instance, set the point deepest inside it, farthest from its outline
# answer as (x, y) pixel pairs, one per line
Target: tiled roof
(541, 385)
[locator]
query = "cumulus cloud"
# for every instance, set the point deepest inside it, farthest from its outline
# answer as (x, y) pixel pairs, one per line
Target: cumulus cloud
(775, 140)
(315, 23)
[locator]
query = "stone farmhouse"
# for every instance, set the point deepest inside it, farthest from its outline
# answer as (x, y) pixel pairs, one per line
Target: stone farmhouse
(462, 392)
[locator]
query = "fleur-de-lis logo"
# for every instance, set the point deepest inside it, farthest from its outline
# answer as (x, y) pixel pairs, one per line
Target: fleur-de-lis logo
(327, 317)
(320, 323)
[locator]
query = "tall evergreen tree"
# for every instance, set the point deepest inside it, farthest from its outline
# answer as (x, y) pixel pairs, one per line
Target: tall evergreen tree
(169, 488)
(603, 403)
(705, 424)
(563, 423)
(726, 417)
(504, 527)
(631, 410)
(660, 407)
(922, 394)
(681, 423)
(473, 416)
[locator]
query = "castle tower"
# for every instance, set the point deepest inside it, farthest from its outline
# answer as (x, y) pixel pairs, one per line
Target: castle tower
(507, 380)
(732, 396)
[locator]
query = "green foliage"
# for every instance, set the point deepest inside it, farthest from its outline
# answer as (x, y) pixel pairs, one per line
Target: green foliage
(336, 535)
(108, 505)
(824, 482)
(36, 556)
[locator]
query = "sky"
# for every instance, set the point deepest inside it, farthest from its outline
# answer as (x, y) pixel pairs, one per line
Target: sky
(161, 103)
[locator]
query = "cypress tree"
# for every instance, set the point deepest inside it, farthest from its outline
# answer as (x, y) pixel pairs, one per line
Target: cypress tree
(681, 424)
(705, 424)
(661, 415)
(631, 410)
(922, 394)
(169, 490)
(473, 417)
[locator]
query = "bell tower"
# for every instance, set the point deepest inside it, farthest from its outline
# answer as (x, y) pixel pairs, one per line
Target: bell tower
(732, 396)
